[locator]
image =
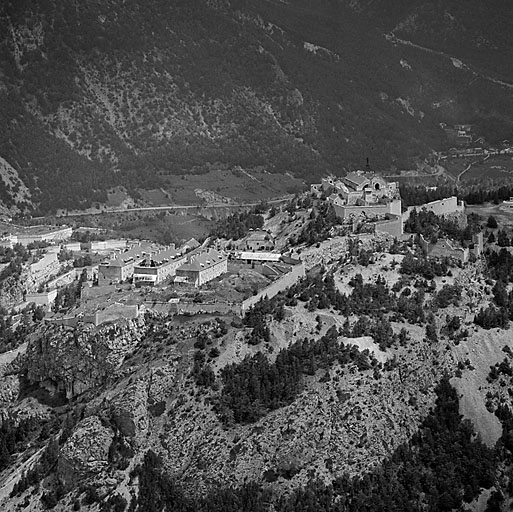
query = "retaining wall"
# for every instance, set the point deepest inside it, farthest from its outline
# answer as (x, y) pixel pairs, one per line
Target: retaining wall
(274, 288)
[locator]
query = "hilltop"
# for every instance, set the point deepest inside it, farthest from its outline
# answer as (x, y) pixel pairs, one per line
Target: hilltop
(317, 356)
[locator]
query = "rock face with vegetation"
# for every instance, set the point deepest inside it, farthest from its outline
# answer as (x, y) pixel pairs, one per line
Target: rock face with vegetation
(340, 383)
(120, 93)
(85, 453)
(73, 361)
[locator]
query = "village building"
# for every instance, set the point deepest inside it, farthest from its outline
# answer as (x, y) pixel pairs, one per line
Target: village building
(157, 267)
(190, 245)
(459, 134)
(120, 267)
(104, 245)
(258, 240)
(202, 267)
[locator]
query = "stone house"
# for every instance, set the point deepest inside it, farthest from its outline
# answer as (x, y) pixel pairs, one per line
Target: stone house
(202, 268)
(120, 267)
(258, 240)
(156, 268)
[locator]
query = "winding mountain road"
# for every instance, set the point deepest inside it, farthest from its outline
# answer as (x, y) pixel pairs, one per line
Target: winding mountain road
(469, 166)
(458, 63)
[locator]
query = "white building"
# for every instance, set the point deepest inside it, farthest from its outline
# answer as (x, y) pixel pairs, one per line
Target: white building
(264, 257)
(202, 268)
(363, 195)
(35, 234)
(157, 267)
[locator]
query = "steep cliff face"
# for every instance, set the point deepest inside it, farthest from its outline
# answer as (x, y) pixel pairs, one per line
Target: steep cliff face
(85, 453)
(73, 361)
(109, 93)
(340, 423)
(11, 291)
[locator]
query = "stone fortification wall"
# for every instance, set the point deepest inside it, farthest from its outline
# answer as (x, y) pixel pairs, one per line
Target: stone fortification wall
(93, 292)
(443, 249)
(393, 227)
(111, 314)
(442, 207)
(63, 280)
(44, 299)
(371, 211)
(42, 265)
(116, 312)
(274, 288)
(190, 308)
(346, 212)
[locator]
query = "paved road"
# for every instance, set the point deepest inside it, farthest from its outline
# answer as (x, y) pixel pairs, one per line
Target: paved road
(170, 208)
(469, 167)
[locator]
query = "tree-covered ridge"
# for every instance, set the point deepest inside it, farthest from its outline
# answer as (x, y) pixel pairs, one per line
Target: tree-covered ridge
(474, 192)
(319, 291)
(441, 468)
(500, 312)
(255, 386)
(432, 227)
(373, 299)
(238, 225)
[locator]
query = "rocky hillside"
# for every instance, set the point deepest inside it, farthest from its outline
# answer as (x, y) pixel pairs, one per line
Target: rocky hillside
(472, 31)
(313, 397)
(120, 92)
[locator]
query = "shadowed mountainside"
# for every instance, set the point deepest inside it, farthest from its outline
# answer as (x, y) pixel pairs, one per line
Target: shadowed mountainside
(107, 93)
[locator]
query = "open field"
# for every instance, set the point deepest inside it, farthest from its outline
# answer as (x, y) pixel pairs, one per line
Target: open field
(426, 180)
(167, 228)
(222, 186)
(159, 226)
(496, 167)
(503, 215)
(455, 166)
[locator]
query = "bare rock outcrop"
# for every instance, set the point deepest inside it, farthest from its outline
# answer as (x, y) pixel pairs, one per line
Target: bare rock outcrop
(74, 360)
(11, 291)
(129, 411)
(85, 453)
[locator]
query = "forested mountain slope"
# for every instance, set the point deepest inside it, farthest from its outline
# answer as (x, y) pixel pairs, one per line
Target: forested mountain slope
(124, 92)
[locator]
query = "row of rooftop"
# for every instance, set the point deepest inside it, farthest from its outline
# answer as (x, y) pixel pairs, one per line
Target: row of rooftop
(147, 263)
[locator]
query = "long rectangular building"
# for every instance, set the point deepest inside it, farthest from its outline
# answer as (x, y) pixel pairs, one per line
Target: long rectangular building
(35, 234)
(203, 267)
(120, 268)
(156, 268)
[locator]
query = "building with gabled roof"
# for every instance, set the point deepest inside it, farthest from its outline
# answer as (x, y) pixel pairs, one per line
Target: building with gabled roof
(257, 240)
(202, 267)
(120, 267)
(356, 181)
(191, 244)
(155, 268)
